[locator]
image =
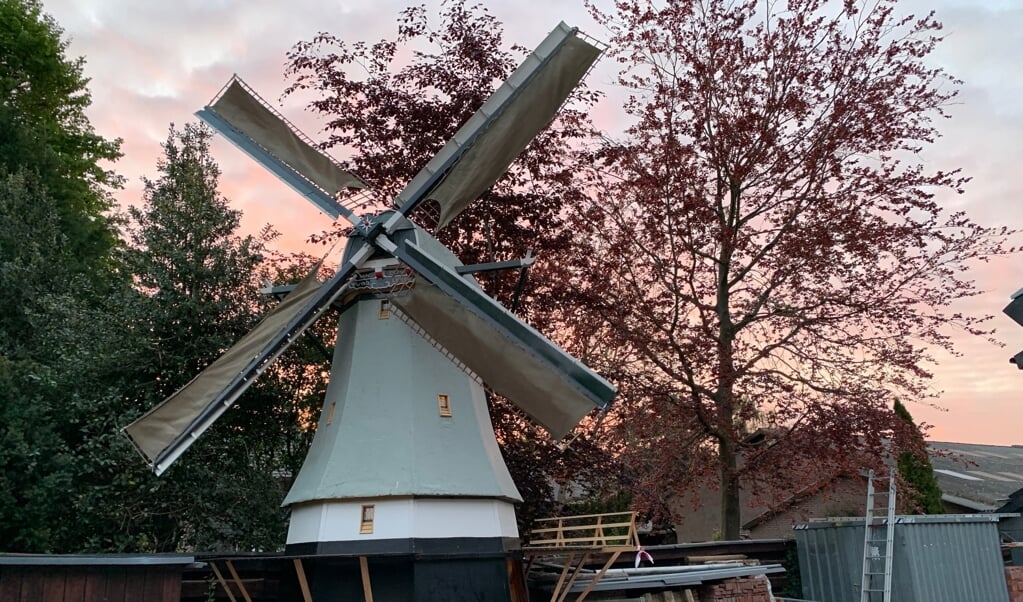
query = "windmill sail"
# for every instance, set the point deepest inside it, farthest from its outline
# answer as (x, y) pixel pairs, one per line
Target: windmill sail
(483, 148)
(163, 433)
(516, 361)
(261, 132)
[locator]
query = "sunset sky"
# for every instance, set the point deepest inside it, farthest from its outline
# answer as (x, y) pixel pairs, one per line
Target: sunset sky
(153, 63)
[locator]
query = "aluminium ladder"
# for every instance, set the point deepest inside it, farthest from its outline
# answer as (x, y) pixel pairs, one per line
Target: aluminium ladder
(879, 529)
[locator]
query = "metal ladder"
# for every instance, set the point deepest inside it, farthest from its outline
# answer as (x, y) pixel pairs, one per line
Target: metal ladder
(879, 528)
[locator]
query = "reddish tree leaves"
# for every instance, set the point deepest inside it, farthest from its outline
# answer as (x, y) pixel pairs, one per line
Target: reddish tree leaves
(392, 105)
(778, 254)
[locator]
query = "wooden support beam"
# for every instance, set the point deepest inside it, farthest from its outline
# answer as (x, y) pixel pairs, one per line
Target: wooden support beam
(367, 587)
(223, 583)
(529, 565)
(302, 581)
(238, 581)
(561, 579)
(598, 576)
(575, 575)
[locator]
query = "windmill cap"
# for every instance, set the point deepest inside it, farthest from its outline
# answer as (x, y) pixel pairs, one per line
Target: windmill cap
(356, 240)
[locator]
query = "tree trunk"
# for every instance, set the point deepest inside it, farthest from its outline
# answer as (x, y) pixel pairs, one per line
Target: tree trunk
(728, 442)
(731, 519)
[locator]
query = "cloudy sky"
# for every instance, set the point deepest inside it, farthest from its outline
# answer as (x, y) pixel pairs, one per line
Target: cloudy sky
(153, 63)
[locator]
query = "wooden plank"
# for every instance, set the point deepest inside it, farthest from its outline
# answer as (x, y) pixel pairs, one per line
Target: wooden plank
(518, 590)
(573, 577)
(156, 579)
(624, 539)
(151, 583)
(598, 577)
(53, 585)
(74, 585)
(529, 563)
(135, 586)
(10, 584)
(238, 582)
(581, 527)
(302, 581)
(95, 586)
(223, 582)
(563, 550)
(577, 516)
(606, 541)
(367, 587)
(593, 531)
(587, 527)
(32, 581)
(561, 580)
(171, 585)
(116, 585)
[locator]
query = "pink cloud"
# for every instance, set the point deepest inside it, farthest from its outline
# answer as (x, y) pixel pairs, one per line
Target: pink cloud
(154, 63)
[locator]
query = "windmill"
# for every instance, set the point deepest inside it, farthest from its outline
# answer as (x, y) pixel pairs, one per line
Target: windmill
(404, 464)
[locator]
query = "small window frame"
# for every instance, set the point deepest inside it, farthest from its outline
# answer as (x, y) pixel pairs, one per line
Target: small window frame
(366, 516)
(444, 405)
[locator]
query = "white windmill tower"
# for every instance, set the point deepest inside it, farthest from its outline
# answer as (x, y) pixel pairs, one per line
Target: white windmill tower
(404, 469)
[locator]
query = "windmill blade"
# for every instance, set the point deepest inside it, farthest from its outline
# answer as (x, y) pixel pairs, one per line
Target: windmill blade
(483, 148)
(264, 134)
(164, 433)
(516, 361)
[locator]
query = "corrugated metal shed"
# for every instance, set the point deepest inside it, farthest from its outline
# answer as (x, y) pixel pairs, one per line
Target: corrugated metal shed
(938, 558)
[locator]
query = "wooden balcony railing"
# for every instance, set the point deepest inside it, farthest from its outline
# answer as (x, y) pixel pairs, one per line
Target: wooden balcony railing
(588, 531)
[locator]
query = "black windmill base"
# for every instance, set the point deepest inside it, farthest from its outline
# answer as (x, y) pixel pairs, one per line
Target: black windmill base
(438, 570)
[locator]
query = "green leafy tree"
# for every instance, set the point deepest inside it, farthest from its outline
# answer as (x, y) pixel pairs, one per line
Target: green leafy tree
(61, 372)
(93, 348)
(58, 282)
(66, 343)
(46, 131)
(915, 469)
(33, 458)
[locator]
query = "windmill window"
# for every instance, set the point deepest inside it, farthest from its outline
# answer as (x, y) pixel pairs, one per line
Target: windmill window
(444, 405)
(367, 519)
(330, 413)
(385, 309)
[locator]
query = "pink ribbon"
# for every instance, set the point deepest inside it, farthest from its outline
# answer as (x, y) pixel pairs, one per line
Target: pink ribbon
(642, 554)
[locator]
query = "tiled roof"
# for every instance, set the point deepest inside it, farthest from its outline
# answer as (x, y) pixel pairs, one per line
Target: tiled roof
(985, 474)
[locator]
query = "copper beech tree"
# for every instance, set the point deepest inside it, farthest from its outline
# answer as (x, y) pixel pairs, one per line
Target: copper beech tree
(390, 106)
(766, 241)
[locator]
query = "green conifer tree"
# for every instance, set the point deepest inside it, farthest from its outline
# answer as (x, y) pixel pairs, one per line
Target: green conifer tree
(917, 472)
(199, 282)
